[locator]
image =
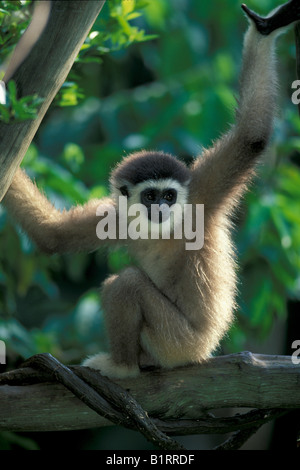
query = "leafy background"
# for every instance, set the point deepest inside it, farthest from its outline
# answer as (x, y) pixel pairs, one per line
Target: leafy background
(153, 75)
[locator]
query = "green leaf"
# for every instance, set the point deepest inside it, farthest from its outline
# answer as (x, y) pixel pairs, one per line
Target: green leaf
(73, 156)
(12, 91)
(4, 114)
(18, 110)
(128, 6)
(134, 15)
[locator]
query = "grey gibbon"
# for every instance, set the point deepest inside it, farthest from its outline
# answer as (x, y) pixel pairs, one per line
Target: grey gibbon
(174, 307)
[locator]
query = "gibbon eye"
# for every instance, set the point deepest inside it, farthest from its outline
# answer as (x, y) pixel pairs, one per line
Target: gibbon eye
(149, 196)
(170, 196)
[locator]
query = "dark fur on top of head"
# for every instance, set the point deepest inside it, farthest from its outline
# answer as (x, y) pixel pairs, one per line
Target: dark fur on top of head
(144, 165)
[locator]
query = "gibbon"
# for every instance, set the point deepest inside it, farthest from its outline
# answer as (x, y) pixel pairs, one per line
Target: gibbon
(173, 307)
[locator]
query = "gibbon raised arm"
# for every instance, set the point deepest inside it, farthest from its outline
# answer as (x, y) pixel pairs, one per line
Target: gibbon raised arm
(221, 174)
(174, 308)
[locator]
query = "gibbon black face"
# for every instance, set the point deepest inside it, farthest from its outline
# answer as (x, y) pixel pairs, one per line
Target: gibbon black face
(160, 197)
(151, 196)
(156, 196)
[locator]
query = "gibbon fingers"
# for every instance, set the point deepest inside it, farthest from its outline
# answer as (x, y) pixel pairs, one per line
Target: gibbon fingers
(174, 308)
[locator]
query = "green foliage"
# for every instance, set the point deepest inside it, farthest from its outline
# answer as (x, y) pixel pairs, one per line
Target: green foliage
(14, 19)
(18, 110)
(116, 32)
(111, 34)
(269, 242)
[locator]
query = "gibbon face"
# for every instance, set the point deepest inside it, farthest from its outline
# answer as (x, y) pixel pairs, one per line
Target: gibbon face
(155, 185)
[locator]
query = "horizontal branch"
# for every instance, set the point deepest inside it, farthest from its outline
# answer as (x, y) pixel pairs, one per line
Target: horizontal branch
(238, 380)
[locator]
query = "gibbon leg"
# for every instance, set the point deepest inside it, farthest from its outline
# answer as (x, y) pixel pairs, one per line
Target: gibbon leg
(123, 317)
(142, 325)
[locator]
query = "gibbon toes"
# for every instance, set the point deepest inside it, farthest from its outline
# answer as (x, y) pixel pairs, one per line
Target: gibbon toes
(105, 364)
(283, 16)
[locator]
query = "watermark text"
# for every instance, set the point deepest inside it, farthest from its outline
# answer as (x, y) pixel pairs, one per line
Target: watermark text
(163, 222)
(296, 354)
(2, 352)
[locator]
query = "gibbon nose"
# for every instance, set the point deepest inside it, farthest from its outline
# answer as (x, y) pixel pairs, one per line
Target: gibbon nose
(164, 202)
(159, 213)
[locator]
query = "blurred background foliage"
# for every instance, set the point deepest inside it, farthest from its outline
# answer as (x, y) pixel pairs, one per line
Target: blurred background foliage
(162, 75)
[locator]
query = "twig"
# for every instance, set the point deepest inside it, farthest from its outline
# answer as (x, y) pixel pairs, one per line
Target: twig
(212, 425)
(238, 439)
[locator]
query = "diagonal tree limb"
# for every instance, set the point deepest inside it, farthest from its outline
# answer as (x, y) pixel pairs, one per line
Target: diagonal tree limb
(42, 72)
(90, 395)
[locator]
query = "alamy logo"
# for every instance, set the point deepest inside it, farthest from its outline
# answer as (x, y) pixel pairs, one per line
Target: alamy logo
(134, 222)
(2, 92)
(2, 352)
(296, 354)
(296, 94)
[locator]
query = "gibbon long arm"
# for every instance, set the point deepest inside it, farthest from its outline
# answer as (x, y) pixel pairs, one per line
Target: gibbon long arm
(53, 231)
(221, 173)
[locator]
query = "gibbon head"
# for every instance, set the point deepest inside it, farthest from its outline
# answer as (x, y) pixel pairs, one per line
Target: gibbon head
(157, 181)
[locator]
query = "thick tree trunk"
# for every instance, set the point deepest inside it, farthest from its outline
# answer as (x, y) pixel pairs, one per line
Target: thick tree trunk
(43, 72)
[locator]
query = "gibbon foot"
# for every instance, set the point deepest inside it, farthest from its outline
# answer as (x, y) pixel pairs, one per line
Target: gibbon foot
(105, 364)
(283, 16)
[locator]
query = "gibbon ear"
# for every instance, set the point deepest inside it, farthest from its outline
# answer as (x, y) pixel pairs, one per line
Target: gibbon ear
(124, 191)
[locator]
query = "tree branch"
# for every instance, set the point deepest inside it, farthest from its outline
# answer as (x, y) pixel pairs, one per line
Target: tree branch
(43, 72)
(175, 399)
(238, 439)
(93, 390)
